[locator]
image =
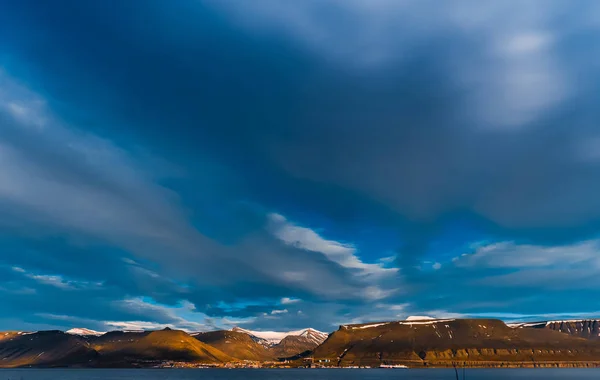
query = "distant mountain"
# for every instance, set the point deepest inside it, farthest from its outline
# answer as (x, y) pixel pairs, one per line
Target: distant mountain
(286, 344)
(124, 348)
(83, 332)
(271, 338)
(236, 344)
(415, 342)
(583, 328)
(44, 349)
(475, 342)
(293, 345)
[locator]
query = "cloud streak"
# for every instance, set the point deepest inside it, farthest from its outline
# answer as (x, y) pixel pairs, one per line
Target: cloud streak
(307, 239)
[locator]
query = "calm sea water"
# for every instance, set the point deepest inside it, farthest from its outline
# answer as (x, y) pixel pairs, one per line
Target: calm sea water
(293, 374)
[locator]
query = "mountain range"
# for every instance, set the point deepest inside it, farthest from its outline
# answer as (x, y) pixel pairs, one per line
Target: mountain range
(415, 342)
(263, 345)
(447, 342)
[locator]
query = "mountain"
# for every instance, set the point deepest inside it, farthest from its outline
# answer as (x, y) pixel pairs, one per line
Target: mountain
(441, 342)
(583, 328)
(289, 344)
(83, 332)
(124, 348)
(236, 344)
(311, 335)
(271, 338)
(44, 348)
(12, 334)
(418, 341)
(293, 345)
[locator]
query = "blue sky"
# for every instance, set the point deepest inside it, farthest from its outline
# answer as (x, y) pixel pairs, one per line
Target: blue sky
(206, 164)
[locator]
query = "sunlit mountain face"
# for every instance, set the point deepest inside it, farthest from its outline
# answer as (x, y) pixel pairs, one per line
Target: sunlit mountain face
(205, 165)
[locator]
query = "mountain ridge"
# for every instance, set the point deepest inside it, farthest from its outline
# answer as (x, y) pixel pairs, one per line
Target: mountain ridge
(275, 337)
(416, 341)
(442, 342)
(584, 328)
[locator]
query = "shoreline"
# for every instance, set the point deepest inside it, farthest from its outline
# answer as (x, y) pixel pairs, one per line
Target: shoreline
(407, 365)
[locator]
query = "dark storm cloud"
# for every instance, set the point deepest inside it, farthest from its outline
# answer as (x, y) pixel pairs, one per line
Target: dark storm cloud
(96, 199)
(414, 115)
(404, 130)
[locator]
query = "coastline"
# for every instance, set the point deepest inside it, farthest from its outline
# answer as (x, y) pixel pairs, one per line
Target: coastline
(395, 365)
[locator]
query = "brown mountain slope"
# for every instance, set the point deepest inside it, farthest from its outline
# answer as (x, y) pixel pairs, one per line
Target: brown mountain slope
(235, 344)
(441, 342)
(118, 348)
(10, 334)
(44, 348)
(292, 346)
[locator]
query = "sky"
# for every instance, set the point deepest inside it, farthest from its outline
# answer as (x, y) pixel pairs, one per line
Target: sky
(203, 164)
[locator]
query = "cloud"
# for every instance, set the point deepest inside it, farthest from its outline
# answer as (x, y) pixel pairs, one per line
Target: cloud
(451, 106)
(160, 316)
(511, 68)
(90, 192)
(24, 106)
(506, 277)
(399, 307)
(512, 255)
(376, 293)
(289, 301)
(411, 128)
(97, 191)
(305, 238)
(18, 289)
(57, 281)
(138, 325)
(53, 281)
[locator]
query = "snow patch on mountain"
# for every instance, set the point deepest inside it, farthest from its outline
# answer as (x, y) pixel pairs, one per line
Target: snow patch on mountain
(83, 332)
(410, 321)
(419, 318)
(371, 325)
(271, 338)
(515, 325)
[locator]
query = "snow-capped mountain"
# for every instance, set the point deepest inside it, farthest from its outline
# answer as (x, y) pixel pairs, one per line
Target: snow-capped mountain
(84, 332)
(271, 338)
(583, 328)
(314, 336)
(419, 318)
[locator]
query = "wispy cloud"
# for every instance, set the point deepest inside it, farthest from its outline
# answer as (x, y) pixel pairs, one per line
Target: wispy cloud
(289, 301)
(512, 255)
(58, 281)
(306, 238)
(183, 316)
(160, 316)
(67, 181)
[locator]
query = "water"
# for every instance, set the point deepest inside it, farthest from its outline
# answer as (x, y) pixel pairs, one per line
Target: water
(296, 374)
